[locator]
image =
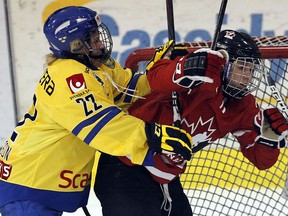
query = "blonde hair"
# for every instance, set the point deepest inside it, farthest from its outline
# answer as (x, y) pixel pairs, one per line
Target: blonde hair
(50, 59)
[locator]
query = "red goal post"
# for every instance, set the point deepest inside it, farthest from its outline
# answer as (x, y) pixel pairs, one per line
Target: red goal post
(270, 47)
(218, 180)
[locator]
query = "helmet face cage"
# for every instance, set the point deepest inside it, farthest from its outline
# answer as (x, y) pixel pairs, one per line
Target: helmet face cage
(79, 46)
(242, 76)
(105, 38)
(244, 71)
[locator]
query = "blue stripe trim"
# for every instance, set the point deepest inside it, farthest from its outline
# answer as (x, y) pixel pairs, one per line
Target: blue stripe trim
(91, 120)
(148, 160)
(132, 86)
(61, 201)
(118, 97)
(101, 124)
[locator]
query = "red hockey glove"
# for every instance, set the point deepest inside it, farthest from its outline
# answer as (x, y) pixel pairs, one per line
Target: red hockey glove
(191, 70)
(272, 128)
(166, 138)
(276, 120)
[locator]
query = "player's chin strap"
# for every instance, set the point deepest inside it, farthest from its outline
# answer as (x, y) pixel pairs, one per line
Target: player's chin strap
(122, 89)
(167, 202)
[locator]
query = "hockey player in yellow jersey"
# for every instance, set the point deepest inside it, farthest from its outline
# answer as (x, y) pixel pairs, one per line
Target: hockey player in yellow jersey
(78, 108)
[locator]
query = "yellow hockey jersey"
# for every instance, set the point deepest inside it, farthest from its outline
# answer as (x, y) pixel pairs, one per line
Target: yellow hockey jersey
(75, 111)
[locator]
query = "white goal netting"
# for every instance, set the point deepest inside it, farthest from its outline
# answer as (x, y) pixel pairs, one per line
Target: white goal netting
(219, 180)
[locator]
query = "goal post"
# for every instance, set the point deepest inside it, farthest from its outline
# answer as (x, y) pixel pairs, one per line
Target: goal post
(218, 180)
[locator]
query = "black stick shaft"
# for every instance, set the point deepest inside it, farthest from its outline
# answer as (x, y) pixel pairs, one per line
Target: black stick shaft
(219, 23)
(170, 19)
(171, 36)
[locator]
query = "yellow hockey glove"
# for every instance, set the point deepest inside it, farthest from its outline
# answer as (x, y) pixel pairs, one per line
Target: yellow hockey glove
(161, 52)
(166, 138)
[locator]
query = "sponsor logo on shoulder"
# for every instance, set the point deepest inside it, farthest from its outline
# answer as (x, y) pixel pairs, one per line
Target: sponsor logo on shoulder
(76, 83)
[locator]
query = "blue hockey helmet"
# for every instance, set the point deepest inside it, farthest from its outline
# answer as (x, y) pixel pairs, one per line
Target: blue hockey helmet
(68, 32)
(245, 68)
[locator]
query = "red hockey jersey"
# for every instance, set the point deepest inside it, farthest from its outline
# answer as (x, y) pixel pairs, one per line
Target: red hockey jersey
(205, 113)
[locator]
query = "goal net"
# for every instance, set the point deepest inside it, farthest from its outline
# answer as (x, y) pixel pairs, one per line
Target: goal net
(218, 180)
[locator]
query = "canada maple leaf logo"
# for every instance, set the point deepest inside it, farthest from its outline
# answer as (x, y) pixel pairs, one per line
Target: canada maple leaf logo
(201, 130)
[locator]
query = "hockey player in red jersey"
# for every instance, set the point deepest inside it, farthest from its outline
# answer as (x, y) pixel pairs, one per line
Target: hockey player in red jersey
(214, 92)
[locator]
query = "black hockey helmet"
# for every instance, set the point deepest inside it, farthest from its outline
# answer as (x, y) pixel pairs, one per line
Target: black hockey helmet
(238, 44)
(244, 55)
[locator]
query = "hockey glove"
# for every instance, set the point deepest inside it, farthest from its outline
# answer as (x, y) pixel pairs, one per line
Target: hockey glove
(272, 127)
(166, 138)
(191, 70)
(160, 53)
(276, 120)
(165, 169)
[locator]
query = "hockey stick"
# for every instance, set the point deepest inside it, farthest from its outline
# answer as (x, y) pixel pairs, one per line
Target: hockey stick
(283, 107)
(219, 23)
(171, 36)
(170, 20)
(276, 94)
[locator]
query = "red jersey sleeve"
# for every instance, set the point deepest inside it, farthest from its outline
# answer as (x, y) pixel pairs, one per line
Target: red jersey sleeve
(160, 76)
(263, 157)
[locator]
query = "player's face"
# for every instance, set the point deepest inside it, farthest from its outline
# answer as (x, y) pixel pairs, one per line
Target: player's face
(91, 45)
(241, 74)
(96, 44)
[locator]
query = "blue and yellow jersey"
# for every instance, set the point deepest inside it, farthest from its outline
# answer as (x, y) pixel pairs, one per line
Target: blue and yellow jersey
(75, 111)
